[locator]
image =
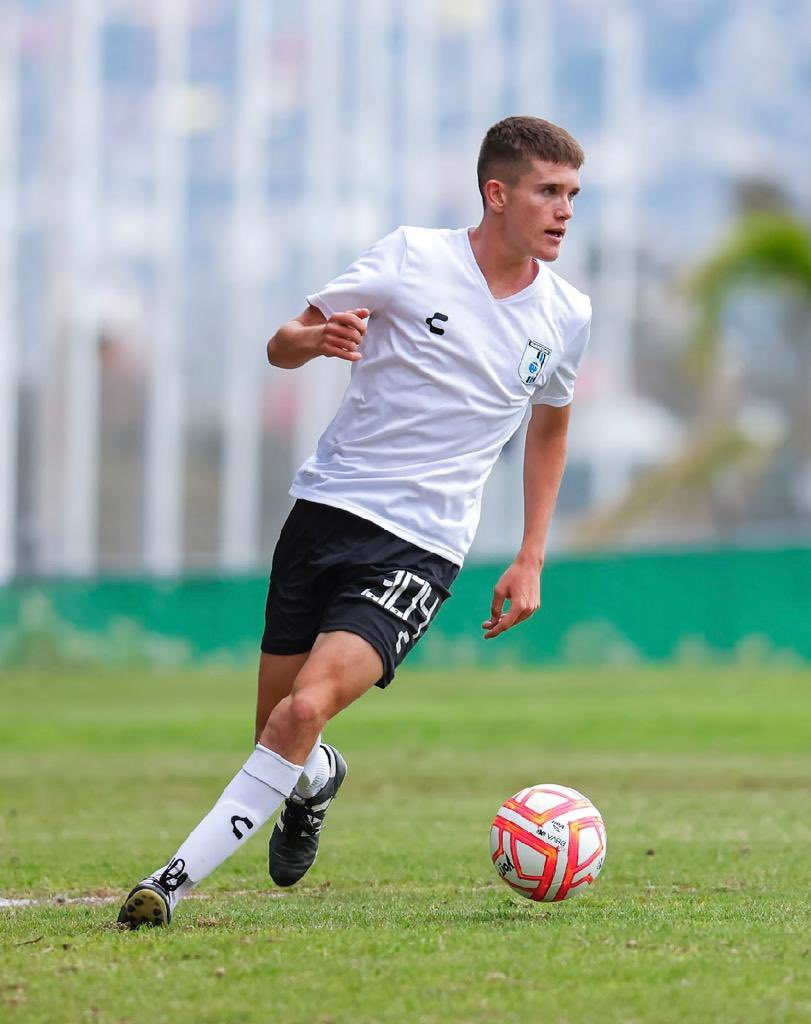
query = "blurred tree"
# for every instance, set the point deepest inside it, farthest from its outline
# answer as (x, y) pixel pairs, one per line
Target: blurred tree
(730, 447)
(765, 249)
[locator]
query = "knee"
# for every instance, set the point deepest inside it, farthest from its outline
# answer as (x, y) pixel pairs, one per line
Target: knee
(306, 712)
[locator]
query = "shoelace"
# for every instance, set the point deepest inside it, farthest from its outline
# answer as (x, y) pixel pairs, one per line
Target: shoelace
(299, 818)
(173, 875)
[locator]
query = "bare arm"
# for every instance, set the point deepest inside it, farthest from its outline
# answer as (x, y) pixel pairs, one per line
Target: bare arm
(544, 459)
(311, 334)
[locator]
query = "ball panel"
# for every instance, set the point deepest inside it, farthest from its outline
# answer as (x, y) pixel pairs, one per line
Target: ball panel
(585, 858)
(556, 804)
(521, 857)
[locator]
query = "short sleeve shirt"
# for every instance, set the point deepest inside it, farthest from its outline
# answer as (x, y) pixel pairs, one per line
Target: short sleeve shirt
(444, 381)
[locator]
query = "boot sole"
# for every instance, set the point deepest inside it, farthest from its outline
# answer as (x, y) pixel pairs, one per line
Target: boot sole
(144, 907)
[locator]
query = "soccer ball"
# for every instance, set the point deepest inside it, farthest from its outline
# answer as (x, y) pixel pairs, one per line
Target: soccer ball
(548, 842)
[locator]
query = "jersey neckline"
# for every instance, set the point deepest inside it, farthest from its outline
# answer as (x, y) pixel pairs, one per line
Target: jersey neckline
(470, 259)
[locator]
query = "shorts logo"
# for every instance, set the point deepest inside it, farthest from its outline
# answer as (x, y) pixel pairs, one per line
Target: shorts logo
(406, 595)
(532, 361)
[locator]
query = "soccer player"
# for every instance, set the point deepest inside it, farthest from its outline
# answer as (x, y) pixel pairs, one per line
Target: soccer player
(451, 335)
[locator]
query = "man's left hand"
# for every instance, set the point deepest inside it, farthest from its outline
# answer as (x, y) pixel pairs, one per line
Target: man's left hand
(520, 586)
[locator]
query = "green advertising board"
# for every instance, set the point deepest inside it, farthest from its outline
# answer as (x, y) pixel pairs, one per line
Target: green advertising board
(745, 605)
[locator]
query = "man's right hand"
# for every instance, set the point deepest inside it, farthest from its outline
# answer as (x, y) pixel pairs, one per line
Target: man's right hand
(342, 334)
(310, 335)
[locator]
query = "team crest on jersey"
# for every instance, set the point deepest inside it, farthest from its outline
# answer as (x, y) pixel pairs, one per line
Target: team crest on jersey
(532, 361)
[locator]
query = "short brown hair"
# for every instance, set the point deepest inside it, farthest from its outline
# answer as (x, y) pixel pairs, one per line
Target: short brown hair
(510, 145)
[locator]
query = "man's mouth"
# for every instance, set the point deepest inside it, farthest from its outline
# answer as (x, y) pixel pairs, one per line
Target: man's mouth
(556, 233)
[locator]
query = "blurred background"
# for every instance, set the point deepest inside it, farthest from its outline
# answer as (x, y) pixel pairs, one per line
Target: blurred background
(176, 177)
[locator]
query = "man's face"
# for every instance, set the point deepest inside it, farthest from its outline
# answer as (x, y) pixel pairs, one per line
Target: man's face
(539, 206)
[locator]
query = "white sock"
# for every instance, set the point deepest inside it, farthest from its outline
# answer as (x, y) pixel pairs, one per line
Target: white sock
(315, 773)
(250, 798)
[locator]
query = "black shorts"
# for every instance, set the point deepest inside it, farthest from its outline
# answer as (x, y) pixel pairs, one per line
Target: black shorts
(333, 570)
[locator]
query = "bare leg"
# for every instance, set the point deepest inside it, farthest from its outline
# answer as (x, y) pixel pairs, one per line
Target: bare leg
(340, 668)
(277, 673)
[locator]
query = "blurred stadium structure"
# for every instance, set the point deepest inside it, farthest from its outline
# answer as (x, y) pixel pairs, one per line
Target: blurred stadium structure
(176, 176)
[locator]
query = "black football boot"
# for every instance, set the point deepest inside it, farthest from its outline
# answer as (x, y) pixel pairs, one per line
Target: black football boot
(150, 902)
(294, 842)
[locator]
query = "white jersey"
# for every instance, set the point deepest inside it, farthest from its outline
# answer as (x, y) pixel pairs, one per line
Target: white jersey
(444, 380)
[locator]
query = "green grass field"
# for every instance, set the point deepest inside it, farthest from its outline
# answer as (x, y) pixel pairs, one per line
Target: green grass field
(701, 913)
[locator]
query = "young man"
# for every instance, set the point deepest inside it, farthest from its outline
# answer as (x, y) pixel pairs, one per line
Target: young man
(452, 333)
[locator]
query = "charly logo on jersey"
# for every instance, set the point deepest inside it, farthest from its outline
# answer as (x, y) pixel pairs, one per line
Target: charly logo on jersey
(532, 361)
(433, 327)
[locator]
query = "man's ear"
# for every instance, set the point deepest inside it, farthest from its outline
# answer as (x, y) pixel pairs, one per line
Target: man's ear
(494, 194)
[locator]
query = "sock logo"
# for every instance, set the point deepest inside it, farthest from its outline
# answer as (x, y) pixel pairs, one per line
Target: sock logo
(245, 821)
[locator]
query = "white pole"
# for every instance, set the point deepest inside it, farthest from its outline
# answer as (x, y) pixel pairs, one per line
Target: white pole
(485, 72)
(619, 226)
(245, 360)
(617, 291)
(534, 60)
(80, 476)
(420, 95)
(164, 425)
(321, 382)
(9, 341)
(373, 130)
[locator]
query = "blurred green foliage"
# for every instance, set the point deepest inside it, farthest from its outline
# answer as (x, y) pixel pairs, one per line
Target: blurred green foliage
(766, 250)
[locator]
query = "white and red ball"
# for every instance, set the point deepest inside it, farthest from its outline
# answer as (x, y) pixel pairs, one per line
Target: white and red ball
(548, 842)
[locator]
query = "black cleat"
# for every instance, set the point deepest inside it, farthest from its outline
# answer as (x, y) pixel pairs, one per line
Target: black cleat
(294, 842)
(150, 902)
